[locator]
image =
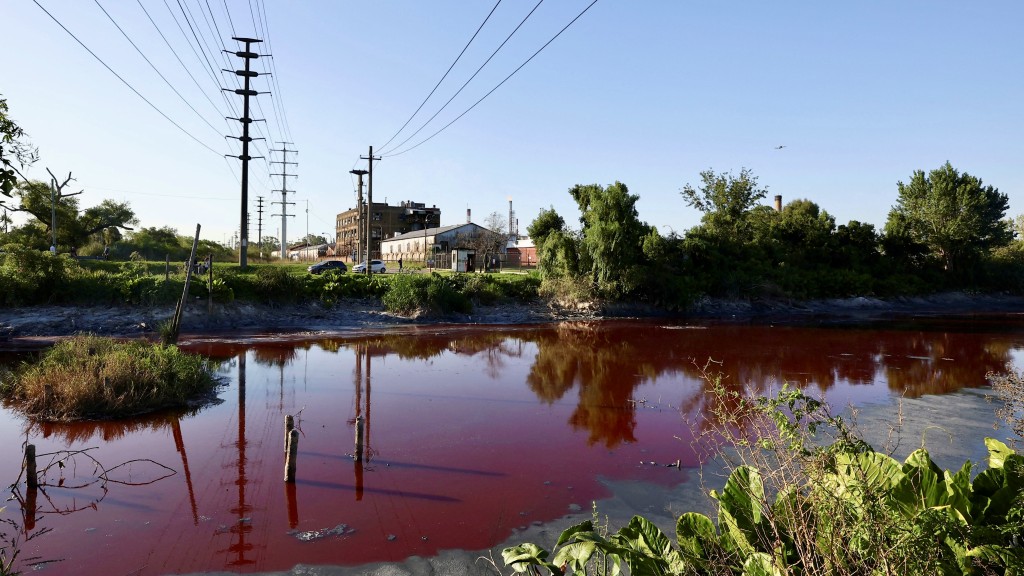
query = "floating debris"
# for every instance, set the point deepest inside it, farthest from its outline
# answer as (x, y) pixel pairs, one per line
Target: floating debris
(575, 507)
(313, 535)
(392, 537)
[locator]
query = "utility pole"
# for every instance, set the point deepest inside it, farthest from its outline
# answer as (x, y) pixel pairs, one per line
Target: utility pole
(284, 193)
(259, 223)
(360, 222)
(248, 55)
(369, 212)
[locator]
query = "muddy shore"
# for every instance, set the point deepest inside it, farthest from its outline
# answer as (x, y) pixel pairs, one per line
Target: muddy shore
(199, 318)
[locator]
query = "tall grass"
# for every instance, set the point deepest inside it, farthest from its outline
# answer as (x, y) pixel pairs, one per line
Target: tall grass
(94, 377)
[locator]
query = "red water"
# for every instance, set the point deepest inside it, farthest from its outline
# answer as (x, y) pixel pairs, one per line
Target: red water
(471, 434)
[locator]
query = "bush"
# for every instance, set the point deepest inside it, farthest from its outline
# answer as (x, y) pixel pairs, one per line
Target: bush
(411, 293)
(90, 376)
(32, 277)
(794, 506)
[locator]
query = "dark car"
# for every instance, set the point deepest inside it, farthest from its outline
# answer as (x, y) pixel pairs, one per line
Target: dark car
(324, 266)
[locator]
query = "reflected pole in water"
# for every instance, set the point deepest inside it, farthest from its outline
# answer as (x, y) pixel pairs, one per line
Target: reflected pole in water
(293, 504)
(243, 526)
(179, 443)
(29, 509)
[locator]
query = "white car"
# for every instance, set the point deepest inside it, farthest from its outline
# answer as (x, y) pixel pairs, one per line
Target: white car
(376, 267)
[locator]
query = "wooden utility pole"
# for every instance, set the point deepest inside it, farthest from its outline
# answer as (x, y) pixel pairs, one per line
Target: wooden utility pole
(360, 218)
(247, 74)
(369, 212)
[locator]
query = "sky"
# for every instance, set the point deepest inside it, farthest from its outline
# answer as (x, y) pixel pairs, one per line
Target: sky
(859, 95)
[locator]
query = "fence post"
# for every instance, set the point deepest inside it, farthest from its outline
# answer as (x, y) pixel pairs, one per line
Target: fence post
(359, 439)
(30, 466)
(293, 449)
(289, 425)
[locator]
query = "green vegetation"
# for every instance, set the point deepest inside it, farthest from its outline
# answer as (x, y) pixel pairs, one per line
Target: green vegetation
(946, 232)
(793, 505)
(90, 376)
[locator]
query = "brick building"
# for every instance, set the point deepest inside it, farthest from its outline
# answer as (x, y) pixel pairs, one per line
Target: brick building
(386, 222)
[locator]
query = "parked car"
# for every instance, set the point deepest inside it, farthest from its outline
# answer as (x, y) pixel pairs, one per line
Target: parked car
(325, 265)
(376, 266)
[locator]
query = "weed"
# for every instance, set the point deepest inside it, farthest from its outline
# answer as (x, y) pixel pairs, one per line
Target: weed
(88, 376)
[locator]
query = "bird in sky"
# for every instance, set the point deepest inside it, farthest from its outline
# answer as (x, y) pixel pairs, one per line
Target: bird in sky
(780, 147)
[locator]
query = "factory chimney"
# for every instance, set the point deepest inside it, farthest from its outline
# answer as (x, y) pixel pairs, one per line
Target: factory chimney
(778, 203)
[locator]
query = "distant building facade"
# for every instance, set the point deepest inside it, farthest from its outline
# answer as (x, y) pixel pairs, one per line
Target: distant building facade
(386, 221)
(433, 244)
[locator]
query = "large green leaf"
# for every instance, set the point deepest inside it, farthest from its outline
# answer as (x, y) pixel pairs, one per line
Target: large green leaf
(760, 564)
(523, 556)
(645, 547)
(696, 535)
(572, 531)
(739, 510)
(997, 452)
(575, 556)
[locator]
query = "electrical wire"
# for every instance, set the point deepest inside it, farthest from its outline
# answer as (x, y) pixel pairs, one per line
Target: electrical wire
(180, 61)
(262, 7)
(125, 82)
(256, 29)
(155, 69)
(573, 21)
(457, 58)
(463, 87)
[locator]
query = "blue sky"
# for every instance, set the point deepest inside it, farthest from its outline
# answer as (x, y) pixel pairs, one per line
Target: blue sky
(645, 92)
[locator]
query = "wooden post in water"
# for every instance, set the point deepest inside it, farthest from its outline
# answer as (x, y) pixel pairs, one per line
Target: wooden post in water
(172, 336)
(30, 466)
(359, 439)
(293, 450)
(289, 425)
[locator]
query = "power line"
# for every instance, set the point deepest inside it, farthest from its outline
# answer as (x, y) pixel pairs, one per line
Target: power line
(496, 50)
(171, 86)
(464, 48)
(273, 68)
(573, 21)
(180, 61)
(125, 82)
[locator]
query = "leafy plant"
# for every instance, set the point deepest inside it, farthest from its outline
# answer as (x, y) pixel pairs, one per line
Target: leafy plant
(811, 508)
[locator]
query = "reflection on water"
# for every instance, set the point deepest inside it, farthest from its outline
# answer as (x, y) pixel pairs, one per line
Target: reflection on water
(469, 435)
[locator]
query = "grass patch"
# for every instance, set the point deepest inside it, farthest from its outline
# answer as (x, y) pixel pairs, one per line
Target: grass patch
(94, 377)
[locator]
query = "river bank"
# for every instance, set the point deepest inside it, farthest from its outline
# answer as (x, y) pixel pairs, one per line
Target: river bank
(199, 317)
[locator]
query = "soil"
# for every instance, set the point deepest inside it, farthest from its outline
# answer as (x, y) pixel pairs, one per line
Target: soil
(199, 318)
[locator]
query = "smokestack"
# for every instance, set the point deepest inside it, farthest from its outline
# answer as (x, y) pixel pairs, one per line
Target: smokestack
(778, 203)
(469, 219)
(511, 218)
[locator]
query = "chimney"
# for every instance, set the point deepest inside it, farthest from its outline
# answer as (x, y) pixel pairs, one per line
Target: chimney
(469, 219)
(778, 202)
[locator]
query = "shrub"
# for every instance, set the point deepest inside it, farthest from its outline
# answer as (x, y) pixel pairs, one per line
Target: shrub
(32, 277)
(411, 293)
(90, 376)
(794, 506)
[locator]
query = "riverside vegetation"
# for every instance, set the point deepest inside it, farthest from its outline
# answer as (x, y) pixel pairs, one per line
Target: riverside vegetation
(807, 496)
(93, 377)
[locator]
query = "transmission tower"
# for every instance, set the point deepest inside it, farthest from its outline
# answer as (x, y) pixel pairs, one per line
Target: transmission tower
(284, 192)
(247, 74)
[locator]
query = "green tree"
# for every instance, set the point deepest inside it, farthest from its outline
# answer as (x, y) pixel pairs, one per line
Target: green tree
(613, 237)
(952, 214)
(726, 202)
(14, 149)
(75, 228)
(804, 234)
(543, 226)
